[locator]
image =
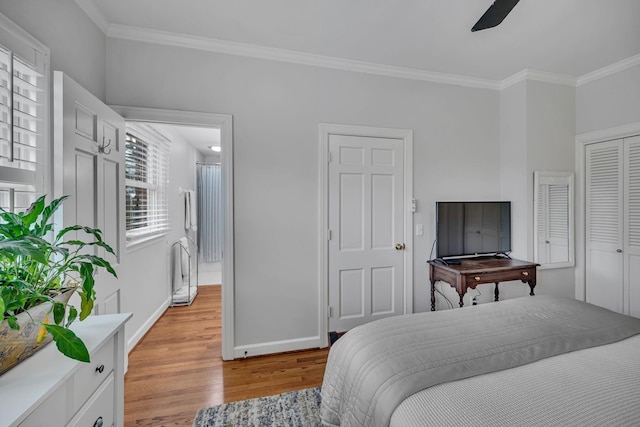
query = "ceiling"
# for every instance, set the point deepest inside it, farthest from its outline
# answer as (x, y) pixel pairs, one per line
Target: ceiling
(567, 37)
(201, 138)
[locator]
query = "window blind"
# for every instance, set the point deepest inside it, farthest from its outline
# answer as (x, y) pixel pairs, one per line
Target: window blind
(147, 176)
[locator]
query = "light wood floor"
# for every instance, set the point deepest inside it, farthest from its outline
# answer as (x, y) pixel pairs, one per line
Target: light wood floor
(177, 367)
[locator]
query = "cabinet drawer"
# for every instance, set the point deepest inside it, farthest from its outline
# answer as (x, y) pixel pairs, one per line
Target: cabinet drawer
(500, 276)
(92, 374)
(98, 411)
(50, 413)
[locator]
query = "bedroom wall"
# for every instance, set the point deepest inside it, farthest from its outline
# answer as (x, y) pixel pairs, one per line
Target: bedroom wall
(78, 46)
(537, 132)
(277, 108)
(609, 102)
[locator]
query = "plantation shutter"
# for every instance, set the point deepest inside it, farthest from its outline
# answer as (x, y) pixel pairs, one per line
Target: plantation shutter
(147, 176)
(22, 126)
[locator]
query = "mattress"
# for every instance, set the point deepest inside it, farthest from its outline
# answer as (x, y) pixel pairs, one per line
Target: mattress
(598, 386)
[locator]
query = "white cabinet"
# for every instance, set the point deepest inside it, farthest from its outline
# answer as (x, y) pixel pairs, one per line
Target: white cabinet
(49, 389)
(612, 232)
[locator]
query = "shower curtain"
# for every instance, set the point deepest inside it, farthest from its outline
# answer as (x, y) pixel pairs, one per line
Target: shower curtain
(210, 213)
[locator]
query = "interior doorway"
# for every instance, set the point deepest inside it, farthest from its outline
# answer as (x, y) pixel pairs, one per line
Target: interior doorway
(223, 122)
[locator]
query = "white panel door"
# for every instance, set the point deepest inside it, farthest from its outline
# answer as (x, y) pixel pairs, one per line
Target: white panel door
(604, 225)
(366, 222)
(89, 167)
(632, 223)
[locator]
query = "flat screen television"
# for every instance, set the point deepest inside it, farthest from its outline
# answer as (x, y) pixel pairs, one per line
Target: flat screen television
(465, 229)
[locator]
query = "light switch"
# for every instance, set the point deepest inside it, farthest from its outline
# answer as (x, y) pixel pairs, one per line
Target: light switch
(419, 229)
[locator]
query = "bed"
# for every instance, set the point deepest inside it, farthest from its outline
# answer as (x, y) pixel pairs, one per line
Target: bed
(532, 361)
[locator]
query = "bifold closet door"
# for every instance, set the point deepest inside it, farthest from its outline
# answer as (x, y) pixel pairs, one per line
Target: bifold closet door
(632, 223)
(604, 225)
(613, 225)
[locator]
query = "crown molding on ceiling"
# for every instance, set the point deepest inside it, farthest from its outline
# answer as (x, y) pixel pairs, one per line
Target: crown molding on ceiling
(93, 12)
(283, 55)
(614, 68)
(539, 76)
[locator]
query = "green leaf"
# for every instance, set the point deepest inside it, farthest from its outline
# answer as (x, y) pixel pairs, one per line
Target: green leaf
(73, 314)
(58, 312)
(33, 212)
(2, 306)
(68, 343)
(23, 248)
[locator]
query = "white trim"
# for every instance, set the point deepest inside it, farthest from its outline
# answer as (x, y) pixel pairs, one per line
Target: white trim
(325, 130)
(540, 76)
(617, 132)
(284, 55)
(225, 123)
(582, 141)
(609, 70)
(93, 12)
(276, 347)
(146, 326)
(15, 30)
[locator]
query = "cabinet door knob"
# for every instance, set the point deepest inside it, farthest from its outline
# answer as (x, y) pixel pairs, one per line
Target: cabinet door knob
(98, 422)
(477, 278)
(525, 273)
(100, 369)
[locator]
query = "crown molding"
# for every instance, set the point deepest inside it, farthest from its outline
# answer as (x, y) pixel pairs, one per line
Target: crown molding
(539, 76)
(283, 55)
(603, 72)
(89, 7)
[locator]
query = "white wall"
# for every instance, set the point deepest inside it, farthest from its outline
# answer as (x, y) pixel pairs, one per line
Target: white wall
(609, 102)
(78, 46)
(277, 108)
(537, 124)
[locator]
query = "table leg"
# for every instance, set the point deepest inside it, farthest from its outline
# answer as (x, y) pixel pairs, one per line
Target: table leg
(461, 300)
(433, 295)
(496, 293)
(532, 284)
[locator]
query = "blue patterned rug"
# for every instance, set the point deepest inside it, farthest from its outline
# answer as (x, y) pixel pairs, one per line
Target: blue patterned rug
(299, 408)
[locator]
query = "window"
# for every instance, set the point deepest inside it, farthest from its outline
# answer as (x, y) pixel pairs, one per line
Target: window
(23, 100)
(146, 172)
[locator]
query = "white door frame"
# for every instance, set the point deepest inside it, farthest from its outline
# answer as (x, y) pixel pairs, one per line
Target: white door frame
(326, 130)
(225, 123)
(582, 140)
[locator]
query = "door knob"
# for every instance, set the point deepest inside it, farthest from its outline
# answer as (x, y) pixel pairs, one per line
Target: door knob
(399, 246)
(619, 250)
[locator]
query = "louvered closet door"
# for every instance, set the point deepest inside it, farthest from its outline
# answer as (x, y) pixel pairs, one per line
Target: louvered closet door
(604, 225)
(632, 223)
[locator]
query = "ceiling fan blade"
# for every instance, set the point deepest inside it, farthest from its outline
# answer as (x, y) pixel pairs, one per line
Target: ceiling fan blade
(495, 14)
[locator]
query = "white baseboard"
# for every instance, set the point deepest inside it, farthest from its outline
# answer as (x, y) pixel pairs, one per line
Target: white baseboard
(276, 347)
(137, 336)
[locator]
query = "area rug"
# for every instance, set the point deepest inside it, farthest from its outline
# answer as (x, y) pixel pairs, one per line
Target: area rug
(292, 409)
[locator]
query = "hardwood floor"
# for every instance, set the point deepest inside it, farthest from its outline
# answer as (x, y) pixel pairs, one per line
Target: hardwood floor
(177, 367)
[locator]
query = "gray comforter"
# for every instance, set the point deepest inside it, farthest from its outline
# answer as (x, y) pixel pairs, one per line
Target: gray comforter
(374, 367)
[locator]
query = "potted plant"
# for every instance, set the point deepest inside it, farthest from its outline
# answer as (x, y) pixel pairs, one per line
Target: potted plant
(39, 271)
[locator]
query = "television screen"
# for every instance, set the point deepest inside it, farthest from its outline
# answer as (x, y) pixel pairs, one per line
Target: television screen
(472, 228)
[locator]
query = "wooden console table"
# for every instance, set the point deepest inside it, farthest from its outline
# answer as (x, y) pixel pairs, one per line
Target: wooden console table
(471, 272)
